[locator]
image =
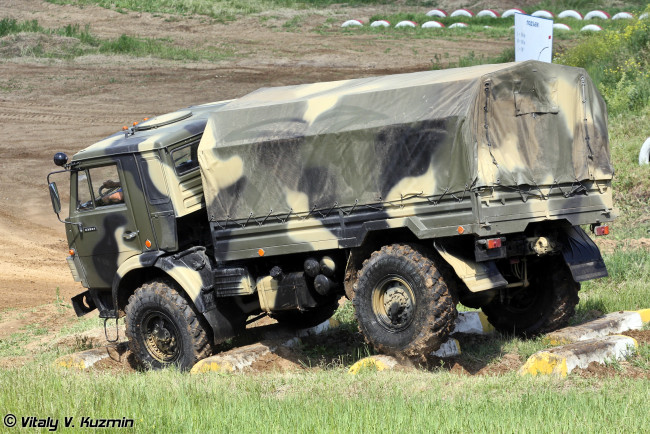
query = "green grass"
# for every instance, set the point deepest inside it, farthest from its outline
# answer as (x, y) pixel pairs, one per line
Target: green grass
(331, 401)
(626, 288)
(13, 345)
(643, 357)
(631, 184)
(88, 44)
(585, 6)
(618, 61)
(220, 10)
(83, 324)
(9, 26)
(226, 10)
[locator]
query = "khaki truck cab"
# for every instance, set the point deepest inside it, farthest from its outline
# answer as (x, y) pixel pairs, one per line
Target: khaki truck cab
(407, 193)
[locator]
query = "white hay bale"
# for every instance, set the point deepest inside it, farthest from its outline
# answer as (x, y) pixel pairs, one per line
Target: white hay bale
(623, 16)
(561, 26)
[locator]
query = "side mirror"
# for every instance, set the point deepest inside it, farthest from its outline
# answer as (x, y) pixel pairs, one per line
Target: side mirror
(54, 196)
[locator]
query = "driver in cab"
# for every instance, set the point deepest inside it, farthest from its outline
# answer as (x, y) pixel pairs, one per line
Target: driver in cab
(114, 195)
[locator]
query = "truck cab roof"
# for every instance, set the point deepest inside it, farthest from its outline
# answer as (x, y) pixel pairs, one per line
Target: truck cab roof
(155, 133)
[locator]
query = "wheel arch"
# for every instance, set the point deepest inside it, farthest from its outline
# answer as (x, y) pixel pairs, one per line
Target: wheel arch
(143, 268)
(374, 240)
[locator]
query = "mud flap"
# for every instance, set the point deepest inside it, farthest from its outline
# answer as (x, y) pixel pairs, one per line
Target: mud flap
(227, 320)
(83, 303)
(582, 255)
(478, 276)
(192, 270)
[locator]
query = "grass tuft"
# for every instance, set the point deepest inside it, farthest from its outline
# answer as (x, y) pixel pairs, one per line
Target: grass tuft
(87, 43)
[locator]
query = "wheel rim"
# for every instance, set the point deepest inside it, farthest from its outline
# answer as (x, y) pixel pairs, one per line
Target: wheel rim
(524, 300)
(161, 337)
(393, 303)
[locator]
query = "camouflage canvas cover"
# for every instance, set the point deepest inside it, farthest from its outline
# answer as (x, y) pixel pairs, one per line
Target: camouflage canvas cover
(297, 149)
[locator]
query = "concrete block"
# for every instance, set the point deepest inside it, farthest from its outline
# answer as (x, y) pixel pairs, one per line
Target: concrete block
(233, 360)
(473, 322)
(450, 348)
(378, 362)
(85, 359)
(560, 361)
(612, 323)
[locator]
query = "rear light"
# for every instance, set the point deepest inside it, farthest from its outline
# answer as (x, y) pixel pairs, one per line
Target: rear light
(71, 251)
(601, 230)
(494, 243)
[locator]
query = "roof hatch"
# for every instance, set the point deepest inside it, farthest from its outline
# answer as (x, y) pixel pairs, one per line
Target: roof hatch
(162, 120)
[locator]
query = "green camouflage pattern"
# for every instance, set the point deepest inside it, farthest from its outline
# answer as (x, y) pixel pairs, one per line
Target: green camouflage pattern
(428, 150)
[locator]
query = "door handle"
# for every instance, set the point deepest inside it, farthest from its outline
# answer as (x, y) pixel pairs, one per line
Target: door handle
(129, 235)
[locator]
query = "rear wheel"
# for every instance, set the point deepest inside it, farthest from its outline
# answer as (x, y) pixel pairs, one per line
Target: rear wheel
(163, 329)
(545, 305)
(402, 303)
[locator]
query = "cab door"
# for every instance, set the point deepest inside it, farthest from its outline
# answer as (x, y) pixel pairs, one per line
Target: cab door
(107, 234)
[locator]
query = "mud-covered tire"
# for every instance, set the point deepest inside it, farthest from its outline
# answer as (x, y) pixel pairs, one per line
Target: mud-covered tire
(163, 329)
(546, 305)
(402, 303)
(310, 318)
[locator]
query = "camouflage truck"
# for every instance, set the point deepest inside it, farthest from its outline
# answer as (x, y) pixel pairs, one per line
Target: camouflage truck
(408, 193)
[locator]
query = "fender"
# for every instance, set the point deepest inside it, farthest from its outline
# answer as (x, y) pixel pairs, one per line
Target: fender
(478, 276)
(136, 262)
(192, 270)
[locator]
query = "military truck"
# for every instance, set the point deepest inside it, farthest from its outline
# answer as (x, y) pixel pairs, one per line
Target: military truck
(407, 193)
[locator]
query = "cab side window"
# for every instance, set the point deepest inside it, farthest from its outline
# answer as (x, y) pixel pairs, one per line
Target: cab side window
(107, 187)
(98, 187)
(185, 158)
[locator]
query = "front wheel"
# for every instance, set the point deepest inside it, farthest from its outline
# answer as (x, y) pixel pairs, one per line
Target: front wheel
(545, 305)
(402, 303)
(163, 329)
